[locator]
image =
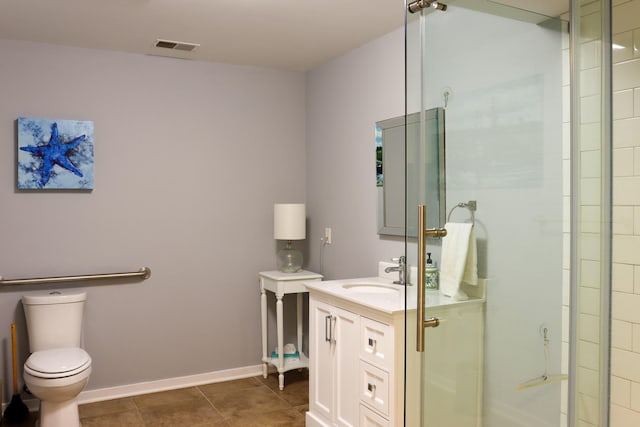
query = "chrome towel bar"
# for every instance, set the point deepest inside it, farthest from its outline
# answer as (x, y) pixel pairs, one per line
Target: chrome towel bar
(144, 273)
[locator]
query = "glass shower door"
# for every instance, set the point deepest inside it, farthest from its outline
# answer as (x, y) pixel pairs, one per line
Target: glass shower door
(495, 349)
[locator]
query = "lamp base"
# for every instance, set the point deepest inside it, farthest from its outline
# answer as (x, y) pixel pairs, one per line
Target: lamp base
(289, 259)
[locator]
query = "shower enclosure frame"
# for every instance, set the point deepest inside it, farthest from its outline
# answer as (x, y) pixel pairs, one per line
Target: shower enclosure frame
(605, 207)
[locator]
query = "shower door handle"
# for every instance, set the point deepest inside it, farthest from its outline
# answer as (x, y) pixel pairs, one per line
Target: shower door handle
(423, 233)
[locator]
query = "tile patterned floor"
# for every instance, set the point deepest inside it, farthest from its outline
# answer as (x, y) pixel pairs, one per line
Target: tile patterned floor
(246, 402)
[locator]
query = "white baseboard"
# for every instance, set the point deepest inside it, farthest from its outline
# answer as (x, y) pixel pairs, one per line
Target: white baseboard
(128, 390)
(98, 395)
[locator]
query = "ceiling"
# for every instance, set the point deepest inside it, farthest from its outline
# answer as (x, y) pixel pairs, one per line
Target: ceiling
(287, 34)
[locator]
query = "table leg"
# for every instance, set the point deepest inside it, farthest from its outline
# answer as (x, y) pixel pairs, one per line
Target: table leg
(279, 315)
(263, 313)
(299, 310)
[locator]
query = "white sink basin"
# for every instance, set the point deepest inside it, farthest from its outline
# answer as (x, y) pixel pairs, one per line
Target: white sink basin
(371, 288)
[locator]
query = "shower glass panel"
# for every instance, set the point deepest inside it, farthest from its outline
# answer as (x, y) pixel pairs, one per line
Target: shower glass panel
(500, 357)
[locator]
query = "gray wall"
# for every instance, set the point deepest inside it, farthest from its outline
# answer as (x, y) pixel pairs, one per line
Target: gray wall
(190, 157)
(345, 97)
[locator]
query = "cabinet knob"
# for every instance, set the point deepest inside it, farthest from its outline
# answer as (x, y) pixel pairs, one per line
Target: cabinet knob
(372, 342)
(371, 387)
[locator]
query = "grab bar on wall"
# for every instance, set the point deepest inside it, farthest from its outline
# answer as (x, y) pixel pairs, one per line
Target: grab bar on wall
(144, 273)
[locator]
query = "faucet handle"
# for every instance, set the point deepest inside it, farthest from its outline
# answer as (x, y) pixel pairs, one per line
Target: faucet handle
(401, 260)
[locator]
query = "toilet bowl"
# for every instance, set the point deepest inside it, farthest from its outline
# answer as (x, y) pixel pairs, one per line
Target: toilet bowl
(56, 377)
(58, 369)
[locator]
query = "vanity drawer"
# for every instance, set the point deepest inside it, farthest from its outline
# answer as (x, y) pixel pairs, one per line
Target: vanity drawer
(376, 343)
(368, 418)
(374, 387)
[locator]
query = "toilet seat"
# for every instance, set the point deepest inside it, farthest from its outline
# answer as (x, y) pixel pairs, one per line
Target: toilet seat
(57, 363)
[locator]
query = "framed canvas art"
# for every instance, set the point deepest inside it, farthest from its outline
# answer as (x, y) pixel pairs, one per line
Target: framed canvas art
(55, 154)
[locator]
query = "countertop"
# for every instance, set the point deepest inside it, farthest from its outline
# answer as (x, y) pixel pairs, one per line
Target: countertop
(391, 299)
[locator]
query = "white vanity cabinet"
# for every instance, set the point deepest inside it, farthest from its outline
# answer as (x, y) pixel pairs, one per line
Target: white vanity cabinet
(333, 371)
(355, 365)
(357, 360)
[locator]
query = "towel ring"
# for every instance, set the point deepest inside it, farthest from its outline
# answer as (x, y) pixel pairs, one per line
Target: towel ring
(471, 205)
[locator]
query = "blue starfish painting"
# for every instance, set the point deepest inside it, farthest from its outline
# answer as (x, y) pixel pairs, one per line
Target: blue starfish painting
(55, 154)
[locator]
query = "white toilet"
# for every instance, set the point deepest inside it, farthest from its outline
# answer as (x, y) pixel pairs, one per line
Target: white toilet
(58, 369)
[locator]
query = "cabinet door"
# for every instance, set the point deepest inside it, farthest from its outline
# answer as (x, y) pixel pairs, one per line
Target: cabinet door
(321, 366)
(347, 335)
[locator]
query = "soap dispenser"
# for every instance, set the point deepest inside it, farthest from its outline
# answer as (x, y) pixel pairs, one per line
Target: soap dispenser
(430, 274)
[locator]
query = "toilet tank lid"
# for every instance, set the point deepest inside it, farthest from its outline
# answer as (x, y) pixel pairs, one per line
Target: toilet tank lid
(53, 297)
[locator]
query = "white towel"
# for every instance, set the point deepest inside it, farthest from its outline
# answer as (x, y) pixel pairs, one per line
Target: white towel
(459, 260)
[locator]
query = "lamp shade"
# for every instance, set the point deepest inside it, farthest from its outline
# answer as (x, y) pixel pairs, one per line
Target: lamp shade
(289, 221)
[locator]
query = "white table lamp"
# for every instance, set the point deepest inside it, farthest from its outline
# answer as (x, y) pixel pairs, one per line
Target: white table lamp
(289, 223)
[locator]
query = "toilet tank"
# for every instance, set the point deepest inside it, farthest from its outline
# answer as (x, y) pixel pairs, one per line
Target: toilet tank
(54, 319)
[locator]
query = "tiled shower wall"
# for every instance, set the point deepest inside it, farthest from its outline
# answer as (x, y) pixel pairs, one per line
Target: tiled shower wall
(625, 351)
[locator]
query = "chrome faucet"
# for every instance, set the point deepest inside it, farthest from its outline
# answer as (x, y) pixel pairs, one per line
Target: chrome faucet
(400, 268)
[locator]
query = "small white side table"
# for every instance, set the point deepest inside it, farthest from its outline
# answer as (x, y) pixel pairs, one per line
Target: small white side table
(281, 284)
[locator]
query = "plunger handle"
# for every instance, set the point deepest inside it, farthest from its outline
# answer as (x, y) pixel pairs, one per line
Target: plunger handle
(15, 358)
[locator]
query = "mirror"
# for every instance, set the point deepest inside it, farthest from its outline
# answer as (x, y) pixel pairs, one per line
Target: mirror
(426, 158)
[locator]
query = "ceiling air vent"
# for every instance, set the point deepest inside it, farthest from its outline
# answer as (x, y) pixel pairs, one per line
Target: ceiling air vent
(169, 44)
